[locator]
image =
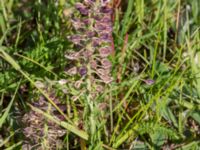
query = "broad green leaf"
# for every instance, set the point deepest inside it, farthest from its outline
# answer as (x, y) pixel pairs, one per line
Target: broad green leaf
(168, 115)
(196, 116)
(158, 138)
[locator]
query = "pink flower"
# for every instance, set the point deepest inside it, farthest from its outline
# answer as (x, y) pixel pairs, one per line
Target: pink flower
(82, 8)
(96, 42)
(105, 36)
(93, 64)
(103, 72)
(106, 63)
(76, 39)
(87, 53)
(106, 79)
(106, 10)
(105, 51)
(149, 81)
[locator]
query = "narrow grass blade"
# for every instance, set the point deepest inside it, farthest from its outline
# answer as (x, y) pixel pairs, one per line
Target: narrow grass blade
(9, 59)
(6, 140)
(126, 96)
(14, 146)
(35, 62)
(6, 113)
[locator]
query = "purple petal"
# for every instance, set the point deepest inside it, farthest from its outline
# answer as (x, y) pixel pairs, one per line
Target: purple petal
(86, 21)
(106, 63)
(106, 19)
(97, 17)
(149, 81)
(93, 64)
(82, 8)
(76, 39)
(90, 34)
(106, 10)
(100, 26)
(83, 71)
(96, 42)
(107, 37)
(87, 53)
(105, 51)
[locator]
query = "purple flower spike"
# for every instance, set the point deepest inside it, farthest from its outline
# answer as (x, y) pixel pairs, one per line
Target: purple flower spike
(82, 8)
(83, 71)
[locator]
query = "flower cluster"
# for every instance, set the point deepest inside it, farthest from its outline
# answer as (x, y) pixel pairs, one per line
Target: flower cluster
(91, 67)
(34, 124)
(93, 41)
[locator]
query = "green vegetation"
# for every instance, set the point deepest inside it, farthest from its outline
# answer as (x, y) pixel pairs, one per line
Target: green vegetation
(153, 101)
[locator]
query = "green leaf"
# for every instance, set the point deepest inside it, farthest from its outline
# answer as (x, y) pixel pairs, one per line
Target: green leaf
(191, 146)
(196, 116)
(140, 145)
(9, 59)
(168, 115)
(158, 138)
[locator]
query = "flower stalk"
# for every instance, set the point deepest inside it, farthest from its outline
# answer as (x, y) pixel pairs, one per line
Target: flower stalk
(93, 43)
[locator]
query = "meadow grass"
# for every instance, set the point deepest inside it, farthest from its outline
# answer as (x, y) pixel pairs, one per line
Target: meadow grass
(153, 101)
